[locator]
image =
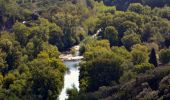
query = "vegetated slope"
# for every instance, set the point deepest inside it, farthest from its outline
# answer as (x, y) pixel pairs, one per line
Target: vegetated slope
(31, 35)
(130, 58)
(130, 46)
(123, 4)
(152, 85)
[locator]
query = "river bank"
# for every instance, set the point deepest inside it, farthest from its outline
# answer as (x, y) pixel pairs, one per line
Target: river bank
(71, 57)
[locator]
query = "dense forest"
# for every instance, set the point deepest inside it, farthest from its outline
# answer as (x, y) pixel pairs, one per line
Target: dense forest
(128, 59)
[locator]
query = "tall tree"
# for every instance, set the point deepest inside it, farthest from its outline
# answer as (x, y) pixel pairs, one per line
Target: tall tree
(152, 58)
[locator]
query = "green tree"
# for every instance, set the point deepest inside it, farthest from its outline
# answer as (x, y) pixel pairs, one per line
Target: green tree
(127, 75)
(142, 68)
(156, 3)
(21, 33)
(153, 58)
(122, 52)
(72, 93)
(165, 56)
(130, 40)
(136, 7)
(8, 80)
(3, 64)
(139, 54)
(100, 71)
(138, 57)
(1, 79)
(47, 76)
(9, 10)
(111, 34)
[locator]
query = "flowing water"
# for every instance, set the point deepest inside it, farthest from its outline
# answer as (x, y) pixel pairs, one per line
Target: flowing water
(71, 78)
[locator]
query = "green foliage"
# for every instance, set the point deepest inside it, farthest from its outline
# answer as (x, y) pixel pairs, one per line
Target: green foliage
(127, 75)
(142, 68)
(138, 8)
(156, 3)
(91, 44)
(47, 69)
(102, 70)
(130, 40)
(165, 56)
(22, 33)
(102, 8)
(30, 67)
(32, 32)
(122, 52)
(90, 24)
(164, 12)
(8, 80)
(138, 57)
(72, 93)
(111, 34)
(144, 86)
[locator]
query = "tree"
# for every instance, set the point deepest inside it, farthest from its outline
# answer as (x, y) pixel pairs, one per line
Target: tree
(142, 68)
(111, 34)
(90, 24)
(122, 52)
(165, 56)
(47, 75)
(102, 70)
(153, 58)
(55, 36)
(127, 75)
(8, 80)
(138, 57)
(139, 54)
(9, 11)
(139, 8)
(130, 40)
(136, 7)
(21, 32)
(156, 3)
(72, 93)
(1, 79)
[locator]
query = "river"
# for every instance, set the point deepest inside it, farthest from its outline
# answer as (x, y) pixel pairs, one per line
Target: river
(72, 76)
